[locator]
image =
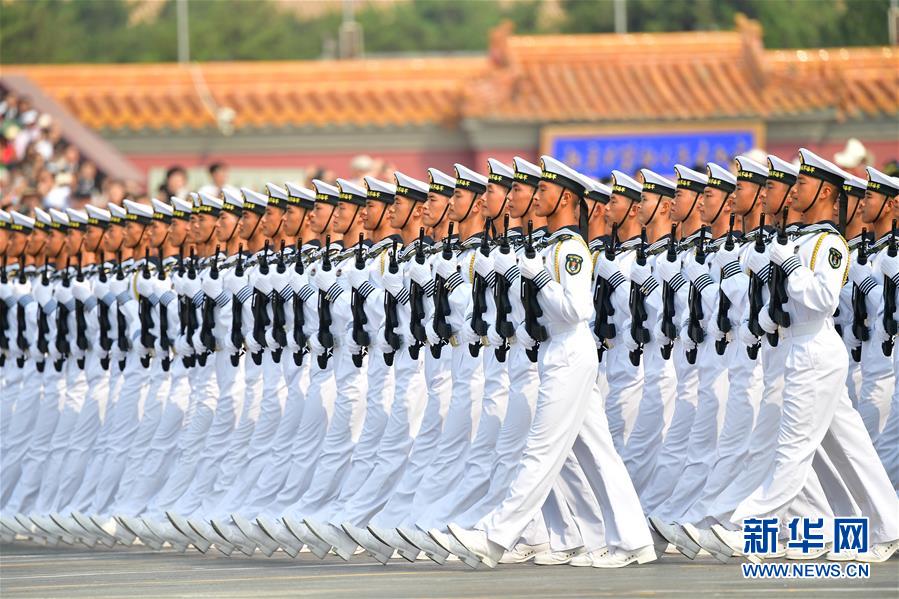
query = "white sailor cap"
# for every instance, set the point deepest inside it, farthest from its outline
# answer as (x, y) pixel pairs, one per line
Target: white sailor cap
(596, 191)
(499, 173)
(77, 218)
(161, 211)
(406, 186)
(720, 178)
(207, 204)
(855, 186)
(42, 219)
(350, 192)
(470, 180)
(300, 196)
(194, 198)
(181, 209)
(58, 219)
(440, 183)
(558, 173)
(277, 196)
(750, 170)
(781, 170)
(623, 184)
(819, 168)
(325, 192)
(232, 200)
(21, 223)
(139, 213)
(380, 190)
(254, 201)
(5, 219)
(526, 172)
(656, 183)
(880, 182)
(96, 216)
(116, 214)
(687, 178)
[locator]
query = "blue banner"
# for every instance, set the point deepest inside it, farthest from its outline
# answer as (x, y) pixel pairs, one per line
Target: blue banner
(596, 153)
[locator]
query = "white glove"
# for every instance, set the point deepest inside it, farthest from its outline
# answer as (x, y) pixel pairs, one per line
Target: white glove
(420, 273)
(521, 335)
(493, 338)
(779, 253)
(213, 287)
(433, 339)
(324, 279)
(43, 293)
(252, 345)
(352, 347)
(393, 281)
(765, 321)
(467, 336)
(757, 261)
(191, 287)
(714, 332)
(145, 286)
(182, 347)
(483, 265)
(859, 272)
(101, 289)
(227, 346)
(628, 341)
(849, 338)
(889, 265)
(503, 262)
(81, 290)
(445, 267)
(879, 334)
(688, 343)
(666, 270)
(606, 268)
(315, 347)
(723, 256)
(355, 276)
(640, 273)
(263, 283)
(279, 280)
(531, 267)
(232, 283)
(693, 269)
(746, 336)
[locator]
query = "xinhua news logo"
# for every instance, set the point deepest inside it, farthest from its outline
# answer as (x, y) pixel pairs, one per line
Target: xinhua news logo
(809, 536)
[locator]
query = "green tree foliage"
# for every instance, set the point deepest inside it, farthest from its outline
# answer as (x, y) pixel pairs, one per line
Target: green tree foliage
(66, 31)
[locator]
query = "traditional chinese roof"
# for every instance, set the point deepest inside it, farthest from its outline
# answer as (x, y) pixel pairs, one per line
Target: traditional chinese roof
(553, 78)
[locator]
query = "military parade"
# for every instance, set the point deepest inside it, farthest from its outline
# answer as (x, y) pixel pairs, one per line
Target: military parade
(508, 363)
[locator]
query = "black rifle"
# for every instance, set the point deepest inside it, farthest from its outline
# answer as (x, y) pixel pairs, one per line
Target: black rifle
(260, 309)
(279, 319)
(724, 302)
(391, 318)
(325, 338)
(441, 300)
(357, 307)
(668, 327)
(185, 307)
(859, 307)
(417, 303)
(479, 297)
(43, 327)
(144, 313)
(504, 327)
(603, 327)
(191, 311)
(164, 342)
(80, 321)
(532, 309)
(103, 318)
(890, 326)
(299, 319)
(778, 284)
(62, 324)
(21, 341)
(637, 305)
(4, 316)
(207, 314)
(694, 324)
(236, 314)
(756, 301)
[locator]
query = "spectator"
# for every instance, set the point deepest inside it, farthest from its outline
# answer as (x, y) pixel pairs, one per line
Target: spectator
(361, 166)
(175, 183)
(219, 174)
(58, 197)
(113, 192)
(87, 178)
(854, 158)
(79, 199)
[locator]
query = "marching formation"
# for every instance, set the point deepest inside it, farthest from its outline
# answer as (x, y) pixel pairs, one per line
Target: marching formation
(523, 365)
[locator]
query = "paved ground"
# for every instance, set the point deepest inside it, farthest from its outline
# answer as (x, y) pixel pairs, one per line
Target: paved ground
(28, 570)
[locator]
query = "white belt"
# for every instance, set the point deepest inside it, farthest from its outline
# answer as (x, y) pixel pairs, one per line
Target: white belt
(802, 329)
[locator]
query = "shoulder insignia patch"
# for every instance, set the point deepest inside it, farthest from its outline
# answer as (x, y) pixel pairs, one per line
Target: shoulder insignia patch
(573, 264)
(834, 258)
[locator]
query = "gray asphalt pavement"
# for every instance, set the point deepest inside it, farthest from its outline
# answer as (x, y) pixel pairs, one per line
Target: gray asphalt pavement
(28, 570)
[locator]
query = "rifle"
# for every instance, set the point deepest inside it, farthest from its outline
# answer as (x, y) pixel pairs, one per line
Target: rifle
(185, 307)
(637, 304)
(724, 302)
(191, 312)
(103, 318)
(859, 307)
(62, 323)
(504, 327)
(21, 341)
(889, 299)
(164, 342)
(260, 309)
(80, 322)
(146, 319)
(694, 324)
(532, 309)
(603, 327)
(755, 294)
(298, 318)
(391, 320)
(324, 312)
(441, 300)
(4, 316)
(778, 288)
(279, 320)
(479, 297)
(357, 302)
(236, 314)
(43, 327)
(417, 303)
(668, 327)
